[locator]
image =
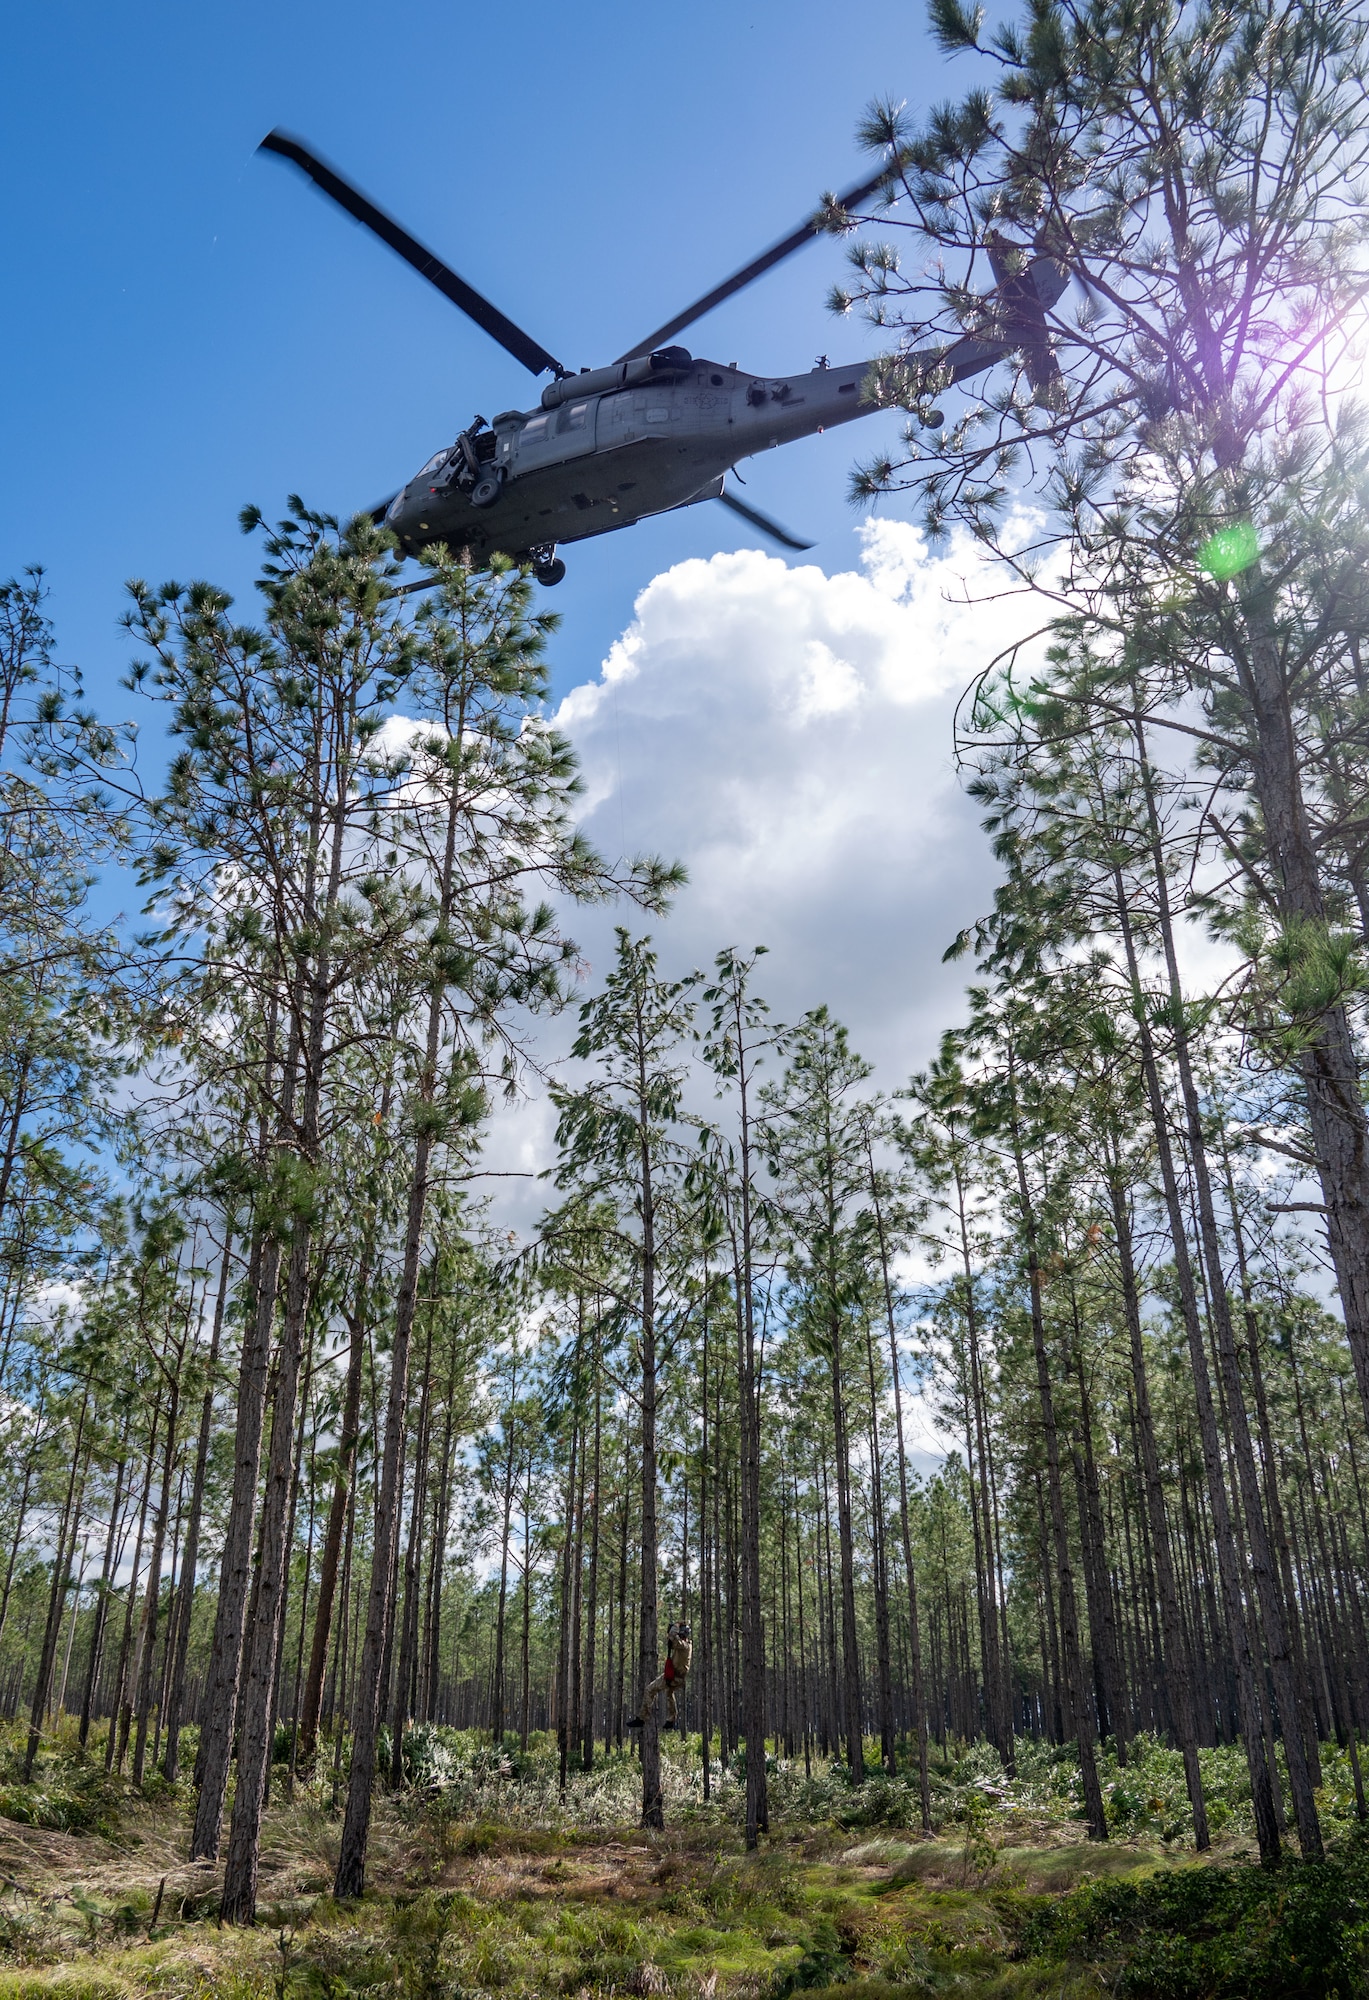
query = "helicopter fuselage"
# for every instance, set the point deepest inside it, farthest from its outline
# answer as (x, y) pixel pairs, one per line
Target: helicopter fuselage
(602, 458)
(658, 428)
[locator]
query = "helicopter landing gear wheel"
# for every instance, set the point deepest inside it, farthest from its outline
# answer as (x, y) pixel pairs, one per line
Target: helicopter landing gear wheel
(549, 571)
(488, 487)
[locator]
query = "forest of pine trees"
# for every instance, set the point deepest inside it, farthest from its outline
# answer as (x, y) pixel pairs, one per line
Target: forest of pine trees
(1018, 1398)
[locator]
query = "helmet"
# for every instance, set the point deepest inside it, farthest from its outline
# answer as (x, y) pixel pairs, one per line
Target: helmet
(682, 1631)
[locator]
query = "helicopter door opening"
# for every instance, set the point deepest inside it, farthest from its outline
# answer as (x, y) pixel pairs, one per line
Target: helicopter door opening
(554, 435)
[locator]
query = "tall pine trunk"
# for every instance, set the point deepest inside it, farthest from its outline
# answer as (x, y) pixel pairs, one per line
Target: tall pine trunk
(1071, 1650)
(106, 1585)
(1237, 1628)
(147, 1641)
(312, 1700)
(1273, 1616)
(852, 1719)
(1178, 1663)
(1329, 1062)
(406, 1677)
(220, 1705)
(918, 1690)
(653, 1810)
(350, 1879)
(57, 1597)
(258, 1692)
(880, 1573)
(592, 1607)
(185, 1602)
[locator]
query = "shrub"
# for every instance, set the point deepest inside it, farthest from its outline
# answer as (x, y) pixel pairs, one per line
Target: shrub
(78, 1799)
(1296, 1932)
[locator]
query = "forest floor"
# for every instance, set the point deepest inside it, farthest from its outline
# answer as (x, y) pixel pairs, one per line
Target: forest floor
(533, 1894)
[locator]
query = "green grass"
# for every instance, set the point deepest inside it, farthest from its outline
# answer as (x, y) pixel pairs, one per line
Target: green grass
(67, 1982)
(489, 1884)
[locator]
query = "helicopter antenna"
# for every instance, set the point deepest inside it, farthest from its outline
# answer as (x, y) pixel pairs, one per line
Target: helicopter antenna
(512, 338)
(758, 266)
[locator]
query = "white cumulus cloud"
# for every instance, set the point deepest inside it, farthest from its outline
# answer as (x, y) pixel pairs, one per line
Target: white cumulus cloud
(788, 735)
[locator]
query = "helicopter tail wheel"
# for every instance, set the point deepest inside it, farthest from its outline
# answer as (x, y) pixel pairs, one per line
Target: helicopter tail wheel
(548, 573)
(488, 487)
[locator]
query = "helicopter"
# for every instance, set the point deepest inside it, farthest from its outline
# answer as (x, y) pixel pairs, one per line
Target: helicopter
(657, 429)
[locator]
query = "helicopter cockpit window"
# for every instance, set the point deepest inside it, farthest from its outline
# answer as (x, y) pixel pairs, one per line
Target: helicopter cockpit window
(436, 462)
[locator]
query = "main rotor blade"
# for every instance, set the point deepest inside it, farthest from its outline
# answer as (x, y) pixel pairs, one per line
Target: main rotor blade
(520, 345)
(762, 521)
(757, 268)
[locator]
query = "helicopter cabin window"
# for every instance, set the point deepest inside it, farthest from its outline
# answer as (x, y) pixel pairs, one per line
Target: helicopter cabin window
(550, 436)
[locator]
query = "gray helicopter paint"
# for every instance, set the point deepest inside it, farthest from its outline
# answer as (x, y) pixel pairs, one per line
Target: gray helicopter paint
(656, 429)
(594, 463)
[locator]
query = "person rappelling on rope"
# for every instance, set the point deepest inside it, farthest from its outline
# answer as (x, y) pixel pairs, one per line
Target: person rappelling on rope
(679, 1651)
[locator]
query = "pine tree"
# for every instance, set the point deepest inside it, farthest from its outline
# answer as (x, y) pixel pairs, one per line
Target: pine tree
(620, 1146)
(1199, 177)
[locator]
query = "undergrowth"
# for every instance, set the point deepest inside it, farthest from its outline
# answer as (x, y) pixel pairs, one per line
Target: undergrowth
(1146, 1798)
(1301, 1929)
(489, 1880)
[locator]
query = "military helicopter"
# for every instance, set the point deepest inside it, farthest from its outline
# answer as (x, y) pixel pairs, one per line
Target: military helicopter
(657, 429)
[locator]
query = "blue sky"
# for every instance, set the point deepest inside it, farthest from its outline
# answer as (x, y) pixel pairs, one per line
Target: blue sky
(190, 326)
